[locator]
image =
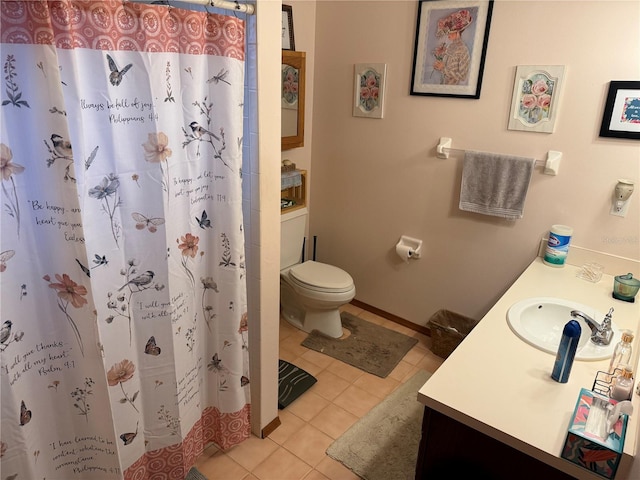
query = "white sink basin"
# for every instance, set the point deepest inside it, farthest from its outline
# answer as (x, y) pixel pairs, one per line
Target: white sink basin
(539, 321)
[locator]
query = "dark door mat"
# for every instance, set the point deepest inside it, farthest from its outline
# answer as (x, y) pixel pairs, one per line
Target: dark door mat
(194, 474)
(370, 347)
(292, 382)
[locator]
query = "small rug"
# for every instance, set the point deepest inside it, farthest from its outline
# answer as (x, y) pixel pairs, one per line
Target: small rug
(194, 474)
(383, 445)
(370, 347)
(292, 382)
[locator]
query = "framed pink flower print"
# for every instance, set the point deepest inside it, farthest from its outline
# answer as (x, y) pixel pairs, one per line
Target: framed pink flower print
(368, 91)
(536, 96)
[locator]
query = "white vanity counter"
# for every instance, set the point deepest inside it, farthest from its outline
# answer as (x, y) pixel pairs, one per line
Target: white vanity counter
(499, 385)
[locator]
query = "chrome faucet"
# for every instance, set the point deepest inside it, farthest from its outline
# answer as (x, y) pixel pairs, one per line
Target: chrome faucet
(601, 334)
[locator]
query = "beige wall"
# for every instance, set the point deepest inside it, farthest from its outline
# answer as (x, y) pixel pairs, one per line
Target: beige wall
(374, 180)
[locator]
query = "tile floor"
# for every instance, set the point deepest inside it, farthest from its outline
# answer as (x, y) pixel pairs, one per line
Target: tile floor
(342, 394)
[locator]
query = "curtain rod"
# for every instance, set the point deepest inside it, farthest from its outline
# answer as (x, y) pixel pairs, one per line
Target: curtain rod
(247, 8)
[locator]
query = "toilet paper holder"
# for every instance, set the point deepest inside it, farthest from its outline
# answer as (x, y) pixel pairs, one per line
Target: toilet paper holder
(409, 247)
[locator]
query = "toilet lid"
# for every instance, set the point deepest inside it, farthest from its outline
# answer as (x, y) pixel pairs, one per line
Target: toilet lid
(316, 275)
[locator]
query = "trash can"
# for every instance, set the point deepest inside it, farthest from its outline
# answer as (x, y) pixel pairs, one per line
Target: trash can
(448, 329)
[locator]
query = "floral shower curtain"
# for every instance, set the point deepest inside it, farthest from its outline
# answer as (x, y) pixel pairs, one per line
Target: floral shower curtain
(124, 324)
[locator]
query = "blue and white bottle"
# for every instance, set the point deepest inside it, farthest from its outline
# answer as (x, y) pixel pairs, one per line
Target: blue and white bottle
(566, 351)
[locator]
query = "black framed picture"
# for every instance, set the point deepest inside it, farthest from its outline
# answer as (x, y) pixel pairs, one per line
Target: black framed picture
(288, 42)
(621, 118)
(450, 47)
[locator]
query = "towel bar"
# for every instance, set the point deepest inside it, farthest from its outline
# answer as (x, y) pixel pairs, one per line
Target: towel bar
(551, 164)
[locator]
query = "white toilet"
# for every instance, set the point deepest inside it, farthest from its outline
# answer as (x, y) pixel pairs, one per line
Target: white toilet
(311, 293)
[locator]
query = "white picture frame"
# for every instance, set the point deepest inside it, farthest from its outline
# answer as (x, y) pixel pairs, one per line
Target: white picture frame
(368, 89)
(536, 98)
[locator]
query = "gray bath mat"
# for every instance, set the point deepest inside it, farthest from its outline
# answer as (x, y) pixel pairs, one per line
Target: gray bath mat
(383, 445)
(369, 347)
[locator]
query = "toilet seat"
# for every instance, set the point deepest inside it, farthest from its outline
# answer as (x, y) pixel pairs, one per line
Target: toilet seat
(321, 277)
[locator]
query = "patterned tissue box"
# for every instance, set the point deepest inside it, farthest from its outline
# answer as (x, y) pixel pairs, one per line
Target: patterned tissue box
(600, 455)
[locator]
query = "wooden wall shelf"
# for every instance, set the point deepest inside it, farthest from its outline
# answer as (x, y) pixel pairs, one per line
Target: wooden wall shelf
(293, 198)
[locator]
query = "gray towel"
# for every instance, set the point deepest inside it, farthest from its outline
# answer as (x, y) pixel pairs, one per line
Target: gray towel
(495, 184)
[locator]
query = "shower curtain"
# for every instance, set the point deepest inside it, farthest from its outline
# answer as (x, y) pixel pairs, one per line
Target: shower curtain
(124, 325)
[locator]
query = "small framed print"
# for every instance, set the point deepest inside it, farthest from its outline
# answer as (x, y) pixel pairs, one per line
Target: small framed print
(288, 42)
(621, 117)
(535, 99)
(368, 91)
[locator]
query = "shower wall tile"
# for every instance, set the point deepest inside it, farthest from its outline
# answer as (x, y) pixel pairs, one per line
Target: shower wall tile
(253, 99)
(251, 79)
(251, 30)
(253, 157)
(254, 178)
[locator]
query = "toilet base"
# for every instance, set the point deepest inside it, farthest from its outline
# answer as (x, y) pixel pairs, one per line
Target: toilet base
(306, 318)
(327, 322)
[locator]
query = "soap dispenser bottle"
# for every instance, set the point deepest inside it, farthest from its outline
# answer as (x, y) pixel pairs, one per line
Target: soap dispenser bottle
(623, 385)
(622, 352)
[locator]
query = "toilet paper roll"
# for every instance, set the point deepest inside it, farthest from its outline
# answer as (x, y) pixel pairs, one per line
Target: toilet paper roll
(404, 252)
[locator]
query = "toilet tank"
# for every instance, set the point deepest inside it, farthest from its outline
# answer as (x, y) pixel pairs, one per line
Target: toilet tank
(292, 229)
